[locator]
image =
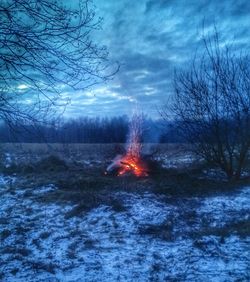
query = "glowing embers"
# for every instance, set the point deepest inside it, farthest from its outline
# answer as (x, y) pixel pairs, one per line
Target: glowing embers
(127, 165)
(132, 165)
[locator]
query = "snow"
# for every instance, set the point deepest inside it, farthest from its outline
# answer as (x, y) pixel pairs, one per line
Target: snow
(173, 161)
(105, 245)
(8, 160)
(232, 206)
(44, 189)
(6, 180)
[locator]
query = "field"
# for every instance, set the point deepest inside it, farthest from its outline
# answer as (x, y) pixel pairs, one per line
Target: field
(63, 219)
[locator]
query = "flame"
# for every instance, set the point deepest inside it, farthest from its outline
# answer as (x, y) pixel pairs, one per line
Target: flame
(132, 164)
(132, 161)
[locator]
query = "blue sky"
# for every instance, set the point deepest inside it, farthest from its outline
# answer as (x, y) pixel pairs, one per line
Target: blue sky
(150, 38)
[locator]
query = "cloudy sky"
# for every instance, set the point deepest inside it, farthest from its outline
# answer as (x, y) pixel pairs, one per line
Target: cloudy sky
(150, 38)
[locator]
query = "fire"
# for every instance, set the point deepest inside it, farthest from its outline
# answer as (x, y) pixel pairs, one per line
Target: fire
(131, 164)
(132, 161)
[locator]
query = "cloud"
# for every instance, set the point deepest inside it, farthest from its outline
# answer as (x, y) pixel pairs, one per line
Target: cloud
(150, 38)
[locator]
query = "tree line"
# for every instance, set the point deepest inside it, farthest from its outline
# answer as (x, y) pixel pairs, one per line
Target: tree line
(84, 130)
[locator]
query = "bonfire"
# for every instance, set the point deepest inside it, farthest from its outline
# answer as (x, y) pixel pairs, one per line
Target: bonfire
(131, 162)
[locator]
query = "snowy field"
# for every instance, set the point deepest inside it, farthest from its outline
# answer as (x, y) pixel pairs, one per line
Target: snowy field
(152, 238)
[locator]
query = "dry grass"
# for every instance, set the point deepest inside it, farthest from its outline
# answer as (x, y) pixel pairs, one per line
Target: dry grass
(87, 151)
(78, 170)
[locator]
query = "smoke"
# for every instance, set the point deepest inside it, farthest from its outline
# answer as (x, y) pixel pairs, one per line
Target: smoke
(132, 161)
(134, 144)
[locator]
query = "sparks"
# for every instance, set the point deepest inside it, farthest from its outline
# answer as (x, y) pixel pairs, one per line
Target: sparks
(131, 162)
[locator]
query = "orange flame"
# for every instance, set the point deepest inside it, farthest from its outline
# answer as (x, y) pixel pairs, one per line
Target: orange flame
(131, 164)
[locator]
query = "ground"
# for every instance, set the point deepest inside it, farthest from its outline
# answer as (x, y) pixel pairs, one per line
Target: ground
(65, 221)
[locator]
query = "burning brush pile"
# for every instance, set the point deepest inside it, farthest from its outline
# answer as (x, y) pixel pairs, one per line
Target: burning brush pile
(132, 162)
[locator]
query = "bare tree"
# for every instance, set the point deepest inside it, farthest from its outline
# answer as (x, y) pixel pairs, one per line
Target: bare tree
(211, 105)
(46, 50)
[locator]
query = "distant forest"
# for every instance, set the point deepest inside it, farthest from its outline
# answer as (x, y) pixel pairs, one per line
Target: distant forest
(86, 130)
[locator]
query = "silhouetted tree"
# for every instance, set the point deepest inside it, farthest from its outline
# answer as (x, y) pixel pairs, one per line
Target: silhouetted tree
(46, 50)
(211, 105)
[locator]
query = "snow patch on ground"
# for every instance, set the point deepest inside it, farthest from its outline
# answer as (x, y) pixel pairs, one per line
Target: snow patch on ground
(44, 189)
(6, 180)
(232, 206)
(38, 243)
(168, 161)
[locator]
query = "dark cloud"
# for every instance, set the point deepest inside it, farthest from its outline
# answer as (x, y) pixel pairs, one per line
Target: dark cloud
(160, 4)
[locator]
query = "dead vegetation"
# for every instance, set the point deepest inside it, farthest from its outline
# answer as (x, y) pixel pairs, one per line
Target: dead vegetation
(84, 178)
(82, 182)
